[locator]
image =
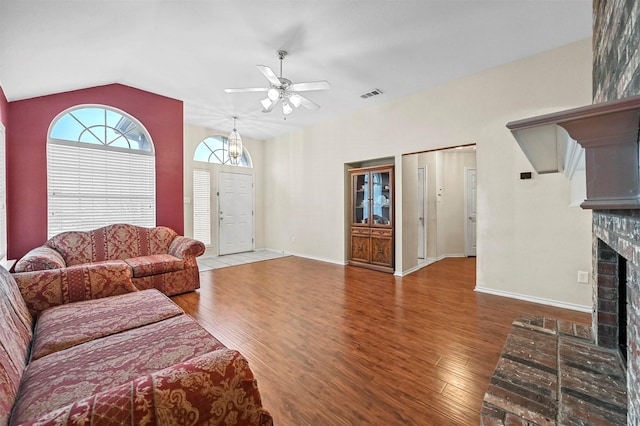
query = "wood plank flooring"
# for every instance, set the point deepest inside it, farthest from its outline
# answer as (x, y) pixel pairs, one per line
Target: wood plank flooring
(340, 345)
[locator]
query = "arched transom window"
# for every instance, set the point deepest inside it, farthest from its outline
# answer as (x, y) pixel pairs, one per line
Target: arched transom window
(214, 149)
(100, 170)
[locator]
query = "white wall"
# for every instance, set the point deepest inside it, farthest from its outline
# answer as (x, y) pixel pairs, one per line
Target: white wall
(529, 242)
(193, 135)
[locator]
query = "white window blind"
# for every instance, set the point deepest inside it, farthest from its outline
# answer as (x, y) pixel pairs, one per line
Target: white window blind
(3, 196)
(202, 206)
(91, 186)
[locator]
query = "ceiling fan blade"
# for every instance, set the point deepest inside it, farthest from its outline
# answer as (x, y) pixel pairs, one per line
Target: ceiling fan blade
(307, 103)
(271, 106)
(247, 89)
(269, 74)
(312, 85)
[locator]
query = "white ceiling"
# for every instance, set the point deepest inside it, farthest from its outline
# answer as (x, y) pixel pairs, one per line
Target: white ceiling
(192, 50)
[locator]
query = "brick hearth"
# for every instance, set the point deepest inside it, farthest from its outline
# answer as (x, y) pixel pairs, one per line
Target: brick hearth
(551, 372)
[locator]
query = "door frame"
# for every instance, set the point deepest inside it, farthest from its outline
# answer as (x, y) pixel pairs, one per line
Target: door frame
(253, 207)
(422, 199)
(467, 242)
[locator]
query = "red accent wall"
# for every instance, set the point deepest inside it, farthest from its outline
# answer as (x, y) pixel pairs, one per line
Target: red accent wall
(27, 131)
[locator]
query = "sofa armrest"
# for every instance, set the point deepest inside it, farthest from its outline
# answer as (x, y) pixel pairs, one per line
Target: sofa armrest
(215, 388)
(40, 258)
(44, 289)
(186, 248)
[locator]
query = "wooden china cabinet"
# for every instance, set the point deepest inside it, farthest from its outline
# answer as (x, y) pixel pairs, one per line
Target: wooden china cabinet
(372, 218)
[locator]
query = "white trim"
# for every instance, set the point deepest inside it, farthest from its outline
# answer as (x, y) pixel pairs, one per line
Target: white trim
(414, 269)
(467, 243)
(533, 299)
(321, 259)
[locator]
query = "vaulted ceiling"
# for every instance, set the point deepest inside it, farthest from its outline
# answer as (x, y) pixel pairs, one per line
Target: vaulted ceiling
(193, 50)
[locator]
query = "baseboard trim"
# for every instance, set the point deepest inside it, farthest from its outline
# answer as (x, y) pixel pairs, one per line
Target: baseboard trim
(320, 259)
(428, 262)
(533, 299)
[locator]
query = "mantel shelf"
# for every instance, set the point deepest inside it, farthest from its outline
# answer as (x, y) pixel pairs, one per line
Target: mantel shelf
(608, 132)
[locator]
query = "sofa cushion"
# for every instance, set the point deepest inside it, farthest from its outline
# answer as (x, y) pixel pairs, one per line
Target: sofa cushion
(64, 326)
(44, 289)
(216, 388)
(75, 247)
(143, 266)
(63, 377)
(40, 258)
(15, 339)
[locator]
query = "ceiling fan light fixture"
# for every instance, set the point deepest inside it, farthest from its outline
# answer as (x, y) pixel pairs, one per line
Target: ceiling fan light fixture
(273, 94)
(295, 100)
(281, 88)
(266, 103)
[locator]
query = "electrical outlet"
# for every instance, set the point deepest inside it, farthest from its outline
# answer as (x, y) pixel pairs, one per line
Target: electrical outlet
(583, 277)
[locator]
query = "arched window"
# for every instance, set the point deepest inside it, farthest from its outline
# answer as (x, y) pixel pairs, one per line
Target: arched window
(100, 170)
(214, 149)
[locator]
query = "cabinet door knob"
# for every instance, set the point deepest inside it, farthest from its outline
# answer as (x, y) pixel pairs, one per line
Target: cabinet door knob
(359, 247)
(380, 250)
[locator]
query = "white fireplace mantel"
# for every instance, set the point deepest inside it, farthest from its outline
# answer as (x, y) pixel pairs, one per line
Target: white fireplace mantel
(609, 133)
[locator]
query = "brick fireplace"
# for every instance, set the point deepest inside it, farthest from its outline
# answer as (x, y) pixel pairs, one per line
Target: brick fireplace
(616, 263)
(616, 233)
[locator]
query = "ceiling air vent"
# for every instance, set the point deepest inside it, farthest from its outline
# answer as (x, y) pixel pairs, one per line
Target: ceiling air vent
(374, 92)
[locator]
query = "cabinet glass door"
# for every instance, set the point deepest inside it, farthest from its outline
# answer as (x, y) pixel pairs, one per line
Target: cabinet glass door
(381, 187)
(361, 199)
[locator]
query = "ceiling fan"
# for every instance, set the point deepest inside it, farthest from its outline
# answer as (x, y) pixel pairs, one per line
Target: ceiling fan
(282, 89)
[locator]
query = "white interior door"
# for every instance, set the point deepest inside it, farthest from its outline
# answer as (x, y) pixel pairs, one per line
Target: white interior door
(422, 214)
(470, 211)
(235, 212)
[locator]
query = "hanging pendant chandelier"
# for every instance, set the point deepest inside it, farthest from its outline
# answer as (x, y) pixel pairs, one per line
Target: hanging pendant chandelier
(234, 144)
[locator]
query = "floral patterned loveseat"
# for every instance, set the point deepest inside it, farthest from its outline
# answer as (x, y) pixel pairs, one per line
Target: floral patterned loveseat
(144, 257)
(134, 359)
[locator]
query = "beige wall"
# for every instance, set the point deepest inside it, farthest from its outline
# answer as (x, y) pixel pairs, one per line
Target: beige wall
(193, 135)
(529, 242)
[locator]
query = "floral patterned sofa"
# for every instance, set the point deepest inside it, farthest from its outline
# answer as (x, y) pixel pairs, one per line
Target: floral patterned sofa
(135, 358)
(145, 257)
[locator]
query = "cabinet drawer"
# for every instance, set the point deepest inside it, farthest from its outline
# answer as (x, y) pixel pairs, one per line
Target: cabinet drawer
(360, 231)
(381, 232)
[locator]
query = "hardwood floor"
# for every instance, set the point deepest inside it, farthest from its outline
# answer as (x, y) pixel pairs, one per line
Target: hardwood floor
(335, 345)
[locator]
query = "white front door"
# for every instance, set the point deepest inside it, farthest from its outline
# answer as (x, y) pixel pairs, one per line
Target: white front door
(422, 228)
(470, 212)
(235, 212)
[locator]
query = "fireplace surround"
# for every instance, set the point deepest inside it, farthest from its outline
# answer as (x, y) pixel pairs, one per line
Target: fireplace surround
(616, 240)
